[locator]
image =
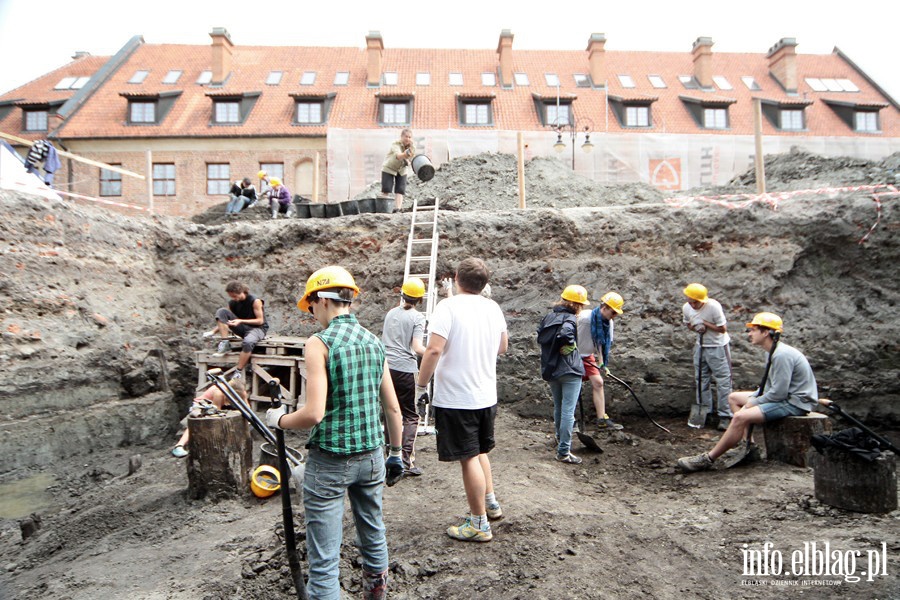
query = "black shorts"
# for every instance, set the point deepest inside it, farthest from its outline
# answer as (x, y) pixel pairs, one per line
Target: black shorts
(393, 183)
(462, 433)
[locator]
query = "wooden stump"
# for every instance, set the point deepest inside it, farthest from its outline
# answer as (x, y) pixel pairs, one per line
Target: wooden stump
(787, 440)
(848, 482)
(221, 456)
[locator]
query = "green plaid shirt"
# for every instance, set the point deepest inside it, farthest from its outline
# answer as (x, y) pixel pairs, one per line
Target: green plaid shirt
(352, 421)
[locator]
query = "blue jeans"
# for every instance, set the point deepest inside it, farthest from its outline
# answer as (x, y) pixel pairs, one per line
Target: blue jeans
(328, 477)
(235, 205)
(565, 391)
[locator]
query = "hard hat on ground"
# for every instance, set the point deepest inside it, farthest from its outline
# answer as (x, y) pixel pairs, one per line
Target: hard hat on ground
(275, 181)
(576, 294)
(767, 320)
(697, 292)
(614, 301)
(327, 278)
(413, 287)
(265, 481)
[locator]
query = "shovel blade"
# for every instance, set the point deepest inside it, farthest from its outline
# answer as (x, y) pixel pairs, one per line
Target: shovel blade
(697, 419)
(589, 442)
(745, 453)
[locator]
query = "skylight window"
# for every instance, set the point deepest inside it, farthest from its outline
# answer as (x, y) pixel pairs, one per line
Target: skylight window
(816, 84)
(423, 78)
(832, 85)
(688, 82)
(552, 79)
(274, 77)
(391, 78)
(308, 78)
(626, 81)
(847, 85)
(80, 83)
(488, 79)
(521, 78)
(139, 76)
(582, 80)
(205, 77)
(750, 82)
(342, 78)
(172, 76)
(656, 81)
(456, 79)
(722, 82)
(65, 83)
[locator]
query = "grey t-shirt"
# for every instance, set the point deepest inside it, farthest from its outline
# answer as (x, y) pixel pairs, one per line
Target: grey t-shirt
(400, 328)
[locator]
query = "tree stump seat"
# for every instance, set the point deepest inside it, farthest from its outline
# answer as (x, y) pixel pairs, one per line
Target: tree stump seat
(846, 481)
(788, 439)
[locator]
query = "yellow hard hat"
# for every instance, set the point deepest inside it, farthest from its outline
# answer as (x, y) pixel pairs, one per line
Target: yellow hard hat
(575, 293)
(265, 481)
(697, 292)
(614, 301)
(261, 175)
(413, 287)
(768, 320)
(275, 181)
(327, 278)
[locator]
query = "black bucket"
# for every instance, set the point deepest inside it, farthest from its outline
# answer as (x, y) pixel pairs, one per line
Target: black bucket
(332, 210)
(317, 211)
(268, 454)
(384, 205)
(421, 164)
(302, 210)
(366, 205)
(350, 207)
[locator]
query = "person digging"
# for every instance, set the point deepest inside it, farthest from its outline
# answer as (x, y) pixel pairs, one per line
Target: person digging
(788, 389)
(595, 337)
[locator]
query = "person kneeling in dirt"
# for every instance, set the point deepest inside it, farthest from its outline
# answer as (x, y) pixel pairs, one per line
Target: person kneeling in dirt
(214, 396)
(789, 390)
(561, 365)
(348, 386)
(595, 336)
(467, 334)
(245, 317)
(280, 201)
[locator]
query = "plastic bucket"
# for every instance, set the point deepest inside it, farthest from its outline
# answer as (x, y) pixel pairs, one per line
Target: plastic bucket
(302, 210)
(384, 205)
(421, 164)
(350, 207)
(268, 454)
(317, 211)
(332, 210)
(366, 205)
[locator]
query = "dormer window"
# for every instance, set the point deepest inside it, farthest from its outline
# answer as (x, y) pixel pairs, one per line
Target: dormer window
(142, 111)
(149, 109)
(395, 109)
(632, 111)
(309, 112)
(36, 120)
(786, 115)
(709, 112)
(230, 108)
(312, 109)
(228, 111)
(866, 121)
(862, 117)
(475, 110)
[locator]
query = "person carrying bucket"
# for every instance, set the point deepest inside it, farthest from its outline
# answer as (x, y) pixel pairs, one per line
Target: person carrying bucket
(788, 389)
(348, 388)
(595, 336)
(561, 365)
(396, 167)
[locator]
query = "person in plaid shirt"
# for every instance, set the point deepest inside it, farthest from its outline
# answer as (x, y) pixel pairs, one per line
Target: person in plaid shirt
(348, 386)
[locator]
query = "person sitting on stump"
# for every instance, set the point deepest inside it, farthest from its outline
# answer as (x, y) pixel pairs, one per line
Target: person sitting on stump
(217, 398)
(789, 390)
(245, 317)
(348, 389)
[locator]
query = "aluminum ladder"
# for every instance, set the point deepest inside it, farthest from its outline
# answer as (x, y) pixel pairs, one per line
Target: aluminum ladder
(421, 262)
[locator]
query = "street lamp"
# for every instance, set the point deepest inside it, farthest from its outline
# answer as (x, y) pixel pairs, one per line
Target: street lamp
(583, 125)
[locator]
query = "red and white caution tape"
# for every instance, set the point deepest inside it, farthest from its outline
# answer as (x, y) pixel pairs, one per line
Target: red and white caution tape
(101, 200)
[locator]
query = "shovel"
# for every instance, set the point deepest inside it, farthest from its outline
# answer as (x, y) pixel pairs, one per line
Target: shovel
(883, 442)
(636, 399)
(699, 412)
(736, 457)
(586, 440)
(290, 540)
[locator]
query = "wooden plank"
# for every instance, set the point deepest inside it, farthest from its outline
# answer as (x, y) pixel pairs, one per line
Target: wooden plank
(87, 161)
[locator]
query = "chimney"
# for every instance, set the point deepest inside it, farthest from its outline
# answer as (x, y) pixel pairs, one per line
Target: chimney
(80, 54)
(375, 52)
(783, 63)
(221, 54)
(504, 49)
(702, 53)
(597, 59)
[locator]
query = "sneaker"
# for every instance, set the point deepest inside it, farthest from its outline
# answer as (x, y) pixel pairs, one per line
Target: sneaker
(467, 533)
(494, 511)
(223, 348)
(179, 452)
(724, 422)
(209, 334)
(375, 585)
(607, 424)
(569, 458)
(689, 464)
(414, 471)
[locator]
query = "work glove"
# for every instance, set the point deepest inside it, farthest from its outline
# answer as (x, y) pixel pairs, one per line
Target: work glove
(605, 369)
(394, 467)
(567, 350)
(447, 286)
(273, 415)
(421, 394)
(700, 328)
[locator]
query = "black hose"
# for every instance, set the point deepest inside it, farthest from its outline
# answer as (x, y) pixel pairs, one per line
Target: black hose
(639, 403)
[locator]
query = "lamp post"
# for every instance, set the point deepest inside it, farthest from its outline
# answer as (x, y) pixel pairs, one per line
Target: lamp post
(583, 125)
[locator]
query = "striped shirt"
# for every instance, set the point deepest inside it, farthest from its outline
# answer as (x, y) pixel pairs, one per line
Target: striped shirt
(352, 421)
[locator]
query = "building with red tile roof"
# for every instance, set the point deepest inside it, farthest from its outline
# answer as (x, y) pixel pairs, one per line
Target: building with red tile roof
(322, 118)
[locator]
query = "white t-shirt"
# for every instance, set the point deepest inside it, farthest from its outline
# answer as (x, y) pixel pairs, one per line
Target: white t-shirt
(466, 374)
(711, 311)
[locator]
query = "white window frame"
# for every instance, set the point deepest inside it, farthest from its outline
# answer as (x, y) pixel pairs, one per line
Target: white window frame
(455, 78)
(342, 78)
(204, 78)
(626, 81)
(218, 178)
(36, 120)
(65, 83)
(477, 113)
(489, 79)
(308, 78)
(172, 76)
(751, 83)
(637, 116)
(552, 79)
(274, 77)
(722, 82)
(164, 179)
(110, 182)
(228, 112)
(657, 81)
(395, 113)
(390, 78)
(521, 79)
(310, 112)
(142, 111)
(139, 76)
(550, 110)
(423, 79)
(791, 119)
(715, 117)
(865, 121)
